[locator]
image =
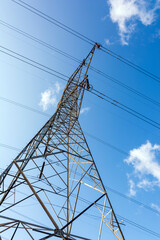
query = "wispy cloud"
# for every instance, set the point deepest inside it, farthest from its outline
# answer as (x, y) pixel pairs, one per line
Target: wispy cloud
(84, 110)
(156, 207)
(108, 42)
(146, 165)
(132, 189)
(126, 13)
(104, 18)
(147, 184)
(49, 97)
(157, 34)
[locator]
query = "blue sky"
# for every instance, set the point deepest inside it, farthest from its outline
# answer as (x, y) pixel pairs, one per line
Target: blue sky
(129, 28)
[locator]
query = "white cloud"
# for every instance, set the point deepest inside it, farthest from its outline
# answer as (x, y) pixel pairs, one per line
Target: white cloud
(146, 164)
(108, 42)
(156, 207)
(144, 160)
(104, 18)
(84, 110)
(147, 184)
(157, 34)
(132, 190)
(49, 97)
(126, 12)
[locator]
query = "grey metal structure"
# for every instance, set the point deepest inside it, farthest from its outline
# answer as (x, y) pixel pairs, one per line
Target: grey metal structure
(56, 170)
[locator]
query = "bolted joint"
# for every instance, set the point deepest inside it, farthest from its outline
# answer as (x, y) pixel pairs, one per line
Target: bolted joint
(84, 62)
(58, 232)
(97, 45)
(87, 84)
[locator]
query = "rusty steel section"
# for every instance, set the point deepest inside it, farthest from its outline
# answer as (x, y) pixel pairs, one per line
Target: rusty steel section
(55, 178)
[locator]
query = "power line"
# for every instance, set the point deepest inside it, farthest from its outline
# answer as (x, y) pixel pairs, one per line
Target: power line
(49, 115)
(10, 147)
(124, 106)
(33, 63)
(153, 101)
(131, 64)
(129, 221)
(85, 38)
(147, 230)
(101, 73)
(126, 109)
(54, 21)
(24, 106)
(96, 216)
(140, 226)
(94, 92)
(141, 204)
(106, 143)
(51, 47)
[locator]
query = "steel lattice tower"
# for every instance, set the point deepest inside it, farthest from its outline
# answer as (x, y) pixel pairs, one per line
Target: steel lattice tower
(56, 170)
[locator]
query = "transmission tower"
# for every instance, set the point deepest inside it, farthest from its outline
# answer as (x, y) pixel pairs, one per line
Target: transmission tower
(54, 179)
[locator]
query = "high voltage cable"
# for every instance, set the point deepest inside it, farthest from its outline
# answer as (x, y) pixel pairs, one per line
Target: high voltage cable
(54, 21)
(24, 106)
(90, 135)
(141, 204)
(94, 92)
(122, 195)
(133, 200)
(95, 216)
(79, 61)
(125, 86)
(149, 231)
(130, 109)
(126, 109)
(129, 63)
(33, 63)
(85, 38)
(106, 143)
(39, 41)
(126, 220)
(9, 147)
(49, 115)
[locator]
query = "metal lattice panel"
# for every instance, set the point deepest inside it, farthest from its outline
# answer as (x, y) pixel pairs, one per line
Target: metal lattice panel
(57, 171)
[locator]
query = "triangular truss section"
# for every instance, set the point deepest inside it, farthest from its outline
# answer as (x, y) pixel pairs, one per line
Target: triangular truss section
(55, 180)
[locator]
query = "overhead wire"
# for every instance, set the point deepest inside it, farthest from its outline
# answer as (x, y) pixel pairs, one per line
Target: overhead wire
(129, 110)
(153, 101)
(33, 63)
(144, 72)
(101, 73)
(24, 106)
(85, 38)
(49, 115)
(43, 43)
(54, 21)
(130, 199)
(126, 109)
(92, 91)
(131, 64)
(9, 147)
(141, 204)
(94, 216)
